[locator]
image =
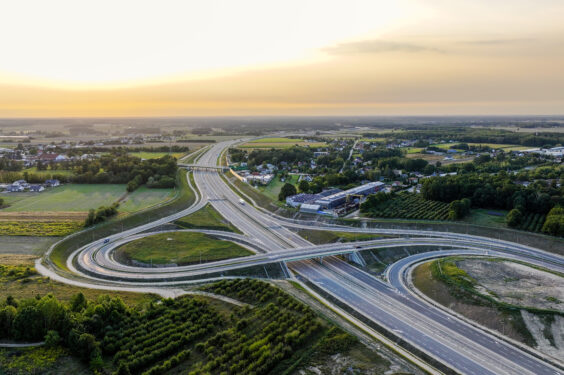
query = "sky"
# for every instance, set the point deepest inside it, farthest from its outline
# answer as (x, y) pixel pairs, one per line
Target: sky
(77, 58)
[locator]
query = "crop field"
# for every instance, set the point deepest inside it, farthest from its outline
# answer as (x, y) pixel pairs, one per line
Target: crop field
(532, 222)
(82, 197)
(39, 228)
(411, 206)
(280, 143)
(155, 155)
(181, 248)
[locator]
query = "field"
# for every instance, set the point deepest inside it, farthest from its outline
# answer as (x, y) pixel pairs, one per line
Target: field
(411, 206)
(25, 245)
(446, 146)
(280, 143)
(155, 155)
(206, 218)
(273, 189)
(533, 222)
(181, 248)
(82, 197)
(39, 228)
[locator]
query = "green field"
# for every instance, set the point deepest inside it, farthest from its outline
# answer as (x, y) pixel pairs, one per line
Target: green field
(82, 197)
(280, 143)
(181, 248)
(155, 155)
(49, 172)
(273, 189)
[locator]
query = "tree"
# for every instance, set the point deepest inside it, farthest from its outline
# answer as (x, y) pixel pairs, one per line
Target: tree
(286, 191)
(52, 339)
(78, 302)
(514, 218)
(304, 186)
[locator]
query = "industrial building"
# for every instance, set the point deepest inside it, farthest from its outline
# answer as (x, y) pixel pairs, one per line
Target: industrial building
(340, 198)
(299, 199)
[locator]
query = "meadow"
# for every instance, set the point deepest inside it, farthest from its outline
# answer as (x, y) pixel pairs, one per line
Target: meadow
(82, 197)
(280, 143)
(155, 155)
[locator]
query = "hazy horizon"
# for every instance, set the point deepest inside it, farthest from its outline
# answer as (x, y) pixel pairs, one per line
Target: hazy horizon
(256, 58)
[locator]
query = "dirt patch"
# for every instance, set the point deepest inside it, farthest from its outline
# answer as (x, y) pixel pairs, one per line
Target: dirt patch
(516, 284)
(487, 316)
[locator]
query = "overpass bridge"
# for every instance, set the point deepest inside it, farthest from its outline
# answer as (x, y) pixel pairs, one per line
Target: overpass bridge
(196, 167)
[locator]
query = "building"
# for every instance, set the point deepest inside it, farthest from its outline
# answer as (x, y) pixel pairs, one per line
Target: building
(300, 199)
(14, 188)
(340, 198)
(36, 188)
(52, 183)
(310, 208)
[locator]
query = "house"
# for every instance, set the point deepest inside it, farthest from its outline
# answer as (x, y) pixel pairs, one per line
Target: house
(14, 188)
(52, 183)
(20, 183)
(36, 188)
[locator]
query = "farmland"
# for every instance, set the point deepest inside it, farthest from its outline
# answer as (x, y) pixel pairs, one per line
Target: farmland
(155, 155)
(82, 197)
(411, 206)
(280, 143)
(180, 248)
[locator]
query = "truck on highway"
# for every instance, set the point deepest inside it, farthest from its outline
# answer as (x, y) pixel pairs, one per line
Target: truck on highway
(241, 201)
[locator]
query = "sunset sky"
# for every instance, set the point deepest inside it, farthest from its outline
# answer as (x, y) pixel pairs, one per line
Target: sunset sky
(292, 57)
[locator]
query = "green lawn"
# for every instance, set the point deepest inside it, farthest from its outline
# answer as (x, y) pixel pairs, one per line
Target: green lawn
(273, 189)
(181, 248)
(155, 155)
(206, 218)
(82, 197)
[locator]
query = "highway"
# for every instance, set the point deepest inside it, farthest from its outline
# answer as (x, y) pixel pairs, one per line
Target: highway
(450, 340)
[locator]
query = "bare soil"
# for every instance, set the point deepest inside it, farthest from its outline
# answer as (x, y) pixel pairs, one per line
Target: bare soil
(516, 283)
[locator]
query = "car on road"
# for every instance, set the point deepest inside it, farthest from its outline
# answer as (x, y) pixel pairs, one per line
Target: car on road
(241, 201)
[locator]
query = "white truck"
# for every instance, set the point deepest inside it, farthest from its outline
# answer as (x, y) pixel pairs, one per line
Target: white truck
(241, 201)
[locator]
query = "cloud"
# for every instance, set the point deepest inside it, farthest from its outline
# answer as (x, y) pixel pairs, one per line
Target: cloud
(495, 42)
(377, 46)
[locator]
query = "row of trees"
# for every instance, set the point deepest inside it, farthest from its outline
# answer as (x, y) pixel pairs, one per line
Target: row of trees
(101, 214)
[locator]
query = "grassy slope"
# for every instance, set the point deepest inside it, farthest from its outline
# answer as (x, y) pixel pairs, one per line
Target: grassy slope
(206, 218)
(181, 248)
(320, 237)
